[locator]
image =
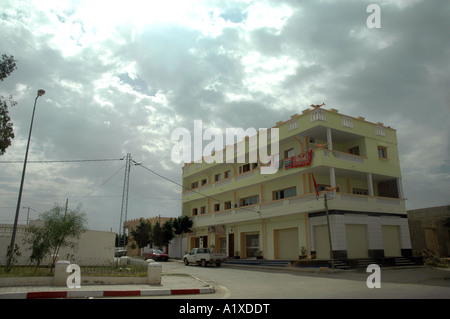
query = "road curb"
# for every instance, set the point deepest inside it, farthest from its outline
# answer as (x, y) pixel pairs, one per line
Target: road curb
(104, 293)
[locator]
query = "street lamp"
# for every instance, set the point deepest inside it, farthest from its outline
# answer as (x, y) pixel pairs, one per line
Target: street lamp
(40, 92)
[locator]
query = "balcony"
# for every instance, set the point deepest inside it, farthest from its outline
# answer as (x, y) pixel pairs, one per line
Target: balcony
(308, 203)
(331, 148)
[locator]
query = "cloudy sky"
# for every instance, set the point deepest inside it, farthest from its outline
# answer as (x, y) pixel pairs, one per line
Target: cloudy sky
(121, 76)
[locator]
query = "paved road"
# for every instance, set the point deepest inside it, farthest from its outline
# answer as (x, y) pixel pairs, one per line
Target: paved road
(239, 283)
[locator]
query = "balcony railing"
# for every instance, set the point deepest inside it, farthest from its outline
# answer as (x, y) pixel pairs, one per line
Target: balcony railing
(349, 157)
(317, 155)
(302, 204)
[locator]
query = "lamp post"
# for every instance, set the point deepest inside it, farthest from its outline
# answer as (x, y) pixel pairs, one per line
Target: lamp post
(40, 92)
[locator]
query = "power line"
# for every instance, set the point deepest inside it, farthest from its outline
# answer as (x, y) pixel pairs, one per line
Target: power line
(88, 195)
(64, 161)
(187, 188)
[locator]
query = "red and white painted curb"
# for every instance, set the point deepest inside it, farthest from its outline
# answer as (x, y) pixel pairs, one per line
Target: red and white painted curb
(104, 293)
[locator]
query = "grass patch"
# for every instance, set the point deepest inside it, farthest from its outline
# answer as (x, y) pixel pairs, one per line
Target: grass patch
(25, 271)
(88, 271)
(114, 271)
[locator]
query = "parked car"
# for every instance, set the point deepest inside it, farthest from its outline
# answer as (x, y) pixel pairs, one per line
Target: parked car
(155, 254)
(120, 251)
(203, 257)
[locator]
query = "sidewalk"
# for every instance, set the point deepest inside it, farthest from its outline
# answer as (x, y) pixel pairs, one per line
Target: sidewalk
(170, 285)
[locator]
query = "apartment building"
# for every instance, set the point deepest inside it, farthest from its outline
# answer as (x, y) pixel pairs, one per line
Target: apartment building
(240, 211)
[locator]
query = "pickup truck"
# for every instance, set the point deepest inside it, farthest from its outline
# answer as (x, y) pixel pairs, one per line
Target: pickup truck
(203, 257)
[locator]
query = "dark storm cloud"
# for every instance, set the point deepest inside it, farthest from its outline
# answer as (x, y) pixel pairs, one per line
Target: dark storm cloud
(125, 88)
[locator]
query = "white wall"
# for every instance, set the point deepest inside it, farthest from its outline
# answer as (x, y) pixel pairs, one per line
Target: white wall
(94, 247)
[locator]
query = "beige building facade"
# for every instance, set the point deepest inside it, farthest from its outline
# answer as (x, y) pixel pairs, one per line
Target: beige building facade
(240, 211)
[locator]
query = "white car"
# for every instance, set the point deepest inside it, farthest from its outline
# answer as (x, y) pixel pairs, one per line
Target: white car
(203, 257)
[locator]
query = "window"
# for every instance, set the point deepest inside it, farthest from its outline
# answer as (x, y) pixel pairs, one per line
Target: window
(254, 165)
(359, 191)
(380, 130)
(203, 210)
(228, 205)
(245, 168)
(292, 125)
(289, 153)
(382, 152)
(318, 115)
(217, 177)
(252, 245)
(285, 193)
(222, 244)
(216, 207)
(194, 212)
(249, 200)
(203, 181)
(227, 174)
(194, 185)
(347, 122)
(354, 150)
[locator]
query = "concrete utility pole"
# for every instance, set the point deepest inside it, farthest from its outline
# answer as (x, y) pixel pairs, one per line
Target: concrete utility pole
(123, 213)
(329, 230)
(331, 190)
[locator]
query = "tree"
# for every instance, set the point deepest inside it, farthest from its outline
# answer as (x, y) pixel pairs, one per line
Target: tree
(61, 228)
(12, 254)
(142, 235)
(167, 233)
(182, 225)
(7, 66)
(157, 237)
(162, 235)
(40, 244)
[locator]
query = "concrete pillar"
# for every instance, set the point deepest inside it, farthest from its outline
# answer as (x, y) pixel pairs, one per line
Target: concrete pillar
(154, 271)
(332, 177)
(370, 184)
(400, 188)
(61, 274)
(329, 139)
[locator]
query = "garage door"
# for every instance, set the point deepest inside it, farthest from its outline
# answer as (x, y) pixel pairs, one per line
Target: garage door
(391, 241)
(321, 242)
(356, 236)
(287, 244)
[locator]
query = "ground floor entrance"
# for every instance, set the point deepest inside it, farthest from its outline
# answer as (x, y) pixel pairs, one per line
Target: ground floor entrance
(359, 235)
(286, 244)
(250, 245)
(391, 240)
(354, 235)
(356, 239)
